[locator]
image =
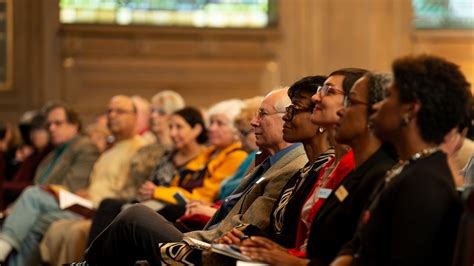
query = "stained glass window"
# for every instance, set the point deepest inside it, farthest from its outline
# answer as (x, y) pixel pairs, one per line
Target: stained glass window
(194, 13)
(436, 14)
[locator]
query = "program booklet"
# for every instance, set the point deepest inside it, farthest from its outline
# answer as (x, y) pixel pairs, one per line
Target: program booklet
(72, 202)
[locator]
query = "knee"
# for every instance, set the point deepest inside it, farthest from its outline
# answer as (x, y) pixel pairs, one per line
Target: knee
(110, 204)
(135, 214)
(30, 191)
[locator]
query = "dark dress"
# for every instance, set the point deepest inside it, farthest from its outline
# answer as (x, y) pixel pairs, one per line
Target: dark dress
(336, 221)
(411, 220)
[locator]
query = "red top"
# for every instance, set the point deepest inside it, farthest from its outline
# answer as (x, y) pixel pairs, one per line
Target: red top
(345, 166)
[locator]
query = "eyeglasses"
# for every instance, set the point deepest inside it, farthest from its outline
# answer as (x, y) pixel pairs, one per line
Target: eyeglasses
(326, 89)
(292, 109)
(56, 123)
(158, 111)
(260, 114)
(349, 102)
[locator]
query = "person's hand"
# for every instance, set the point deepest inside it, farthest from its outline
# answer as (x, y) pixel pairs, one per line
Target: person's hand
(264, 250)
(146, 191)
(231, 237)
(344, 260)
(199, 207)
(22, 153)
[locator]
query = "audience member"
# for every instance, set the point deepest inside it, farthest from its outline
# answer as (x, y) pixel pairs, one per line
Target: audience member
(198, 212)
(68, 165)
(250, 203)
(413, 215)
(335, 223)
(29, 159)
(107, 179)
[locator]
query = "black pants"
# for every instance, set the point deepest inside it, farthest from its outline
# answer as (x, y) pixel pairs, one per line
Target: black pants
(135, 234)
(110, 208)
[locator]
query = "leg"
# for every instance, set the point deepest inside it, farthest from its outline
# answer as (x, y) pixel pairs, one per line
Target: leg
(26, 210)
(105, 214)
(65, 241)
(134, 235)
(29, 252)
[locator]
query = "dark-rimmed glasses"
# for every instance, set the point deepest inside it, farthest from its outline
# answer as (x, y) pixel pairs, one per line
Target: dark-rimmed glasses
(292, 109)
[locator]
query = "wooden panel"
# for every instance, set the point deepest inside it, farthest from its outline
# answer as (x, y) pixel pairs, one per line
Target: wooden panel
(456, 46)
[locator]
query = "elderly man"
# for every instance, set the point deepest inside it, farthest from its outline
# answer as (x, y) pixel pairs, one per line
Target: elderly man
(138, 231)
(107, 179)
(68, 165)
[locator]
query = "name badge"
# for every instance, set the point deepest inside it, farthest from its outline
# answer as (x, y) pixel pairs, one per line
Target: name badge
(341, 193)
(324, 193)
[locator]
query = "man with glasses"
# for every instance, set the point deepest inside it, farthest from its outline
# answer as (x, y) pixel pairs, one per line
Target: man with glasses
(137, 232)
(68, 165)
(38, 207)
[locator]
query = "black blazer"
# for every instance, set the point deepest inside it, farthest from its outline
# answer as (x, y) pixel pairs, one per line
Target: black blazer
(415, 219)
(336, 221)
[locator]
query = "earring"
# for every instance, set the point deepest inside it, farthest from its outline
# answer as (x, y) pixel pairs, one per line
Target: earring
(405, 120)
(370, 125)
(321, 129)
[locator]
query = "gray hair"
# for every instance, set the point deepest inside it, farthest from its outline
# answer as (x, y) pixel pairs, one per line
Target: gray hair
(228, 108)
(170, 101)
(377, 84)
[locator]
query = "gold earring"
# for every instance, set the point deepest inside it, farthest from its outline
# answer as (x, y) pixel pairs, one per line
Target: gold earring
(321, 129)
(405, 120)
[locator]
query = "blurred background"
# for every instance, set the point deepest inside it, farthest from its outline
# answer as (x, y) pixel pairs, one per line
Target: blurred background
(84, 51)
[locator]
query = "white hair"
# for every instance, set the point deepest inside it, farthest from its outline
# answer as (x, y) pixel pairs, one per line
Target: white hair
(169, 100)
(229, 108)
(282, 102)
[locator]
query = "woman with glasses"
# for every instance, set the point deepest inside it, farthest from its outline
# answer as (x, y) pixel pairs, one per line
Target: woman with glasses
(413, 215)
(285, 213)
(335, 222)
(292, 228)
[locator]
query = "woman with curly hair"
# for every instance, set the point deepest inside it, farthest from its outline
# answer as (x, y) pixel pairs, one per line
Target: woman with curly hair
(413, 215)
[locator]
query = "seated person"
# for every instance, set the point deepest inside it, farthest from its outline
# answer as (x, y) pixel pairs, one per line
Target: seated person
(403, 224)
(335, 223)
(208, 165)
(107, 179)
(198, 212)
(197, 171)
(29, 157)
(142, 164)
(250, 203)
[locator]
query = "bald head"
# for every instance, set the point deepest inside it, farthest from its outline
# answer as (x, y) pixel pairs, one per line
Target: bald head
(268, 122)
(280, 99)
(121, 117)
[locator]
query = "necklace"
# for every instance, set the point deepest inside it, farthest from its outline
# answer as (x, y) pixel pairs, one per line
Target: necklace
(397, 168)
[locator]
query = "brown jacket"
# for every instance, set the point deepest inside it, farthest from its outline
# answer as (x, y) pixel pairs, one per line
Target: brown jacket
(73, 168)
(256, 204)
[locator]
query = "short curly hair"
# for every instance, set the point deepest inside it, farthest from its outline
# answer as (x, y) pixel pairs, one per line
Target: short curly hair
(441, 89)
